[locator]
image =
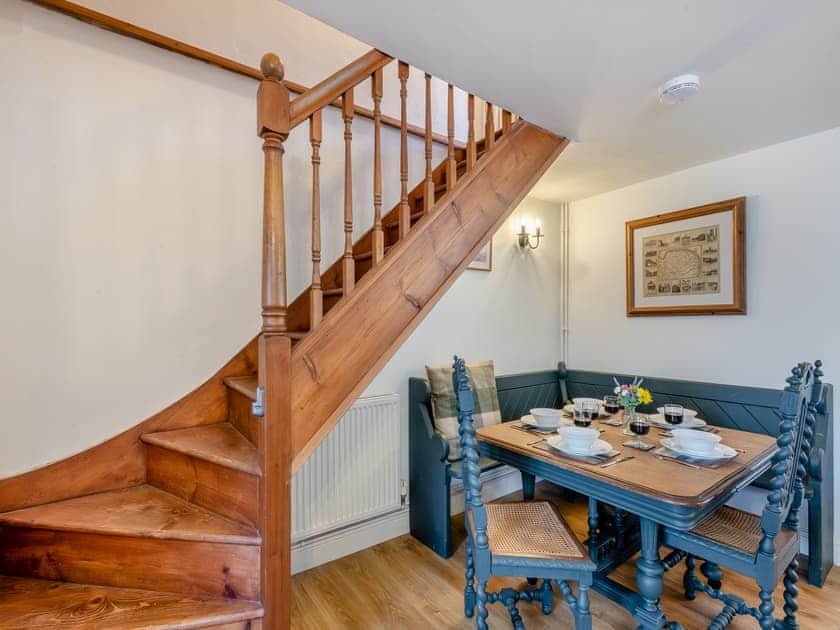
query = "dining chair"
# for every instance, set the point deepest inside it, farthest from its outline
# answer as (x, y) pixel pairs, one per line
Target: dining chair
(514, 539)
(763, 547)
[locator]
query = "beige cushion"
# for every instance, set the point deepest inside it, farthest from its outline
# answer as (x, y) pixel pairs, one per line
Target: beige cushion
(444, 407)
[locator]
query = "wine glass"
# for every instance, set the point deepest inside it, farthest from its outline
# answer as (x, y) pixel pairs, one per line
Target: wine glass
(611, 404)
(640, 427)
(673, 413)
(583, 413)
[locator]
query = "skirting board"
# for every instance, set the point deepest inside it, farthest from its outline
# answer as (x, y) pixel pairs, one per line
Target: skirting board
(334, 545)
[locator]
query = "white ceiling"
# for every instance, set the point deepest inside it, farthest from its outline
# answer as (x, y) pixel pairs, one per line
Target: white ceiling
(590, 71)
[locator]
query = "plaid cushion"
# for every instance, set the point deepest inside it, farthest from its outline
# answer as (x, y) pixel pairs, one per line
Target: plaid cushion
(444, 407)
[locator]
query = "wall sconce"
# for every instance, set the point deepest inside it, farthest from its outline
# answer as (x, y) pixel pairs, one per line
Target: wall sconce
(525, 237)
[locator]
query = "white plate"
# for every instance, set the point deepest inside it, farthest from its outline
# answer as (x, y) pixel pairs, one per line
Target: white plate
(531, 421)
(600, 447)
(658, 420)
(721, 451)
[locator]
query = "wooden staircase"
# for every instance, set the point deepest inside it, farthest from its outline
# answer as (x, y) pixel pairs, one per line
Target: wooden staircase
(184, 520)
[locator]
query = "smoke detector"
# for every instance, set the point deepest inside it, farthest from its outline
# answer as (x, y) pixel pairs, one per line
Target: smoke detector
(679, 88)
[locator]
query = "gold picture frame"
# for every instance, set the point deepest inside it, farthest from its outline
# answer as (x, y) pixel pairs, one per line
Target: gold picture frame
(688, 262)
(483, 260)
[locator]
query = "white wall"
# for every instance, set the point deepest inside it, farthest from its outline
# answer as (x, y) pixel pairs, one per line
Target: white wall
(793, 254)
(509, 315)
(130, 189)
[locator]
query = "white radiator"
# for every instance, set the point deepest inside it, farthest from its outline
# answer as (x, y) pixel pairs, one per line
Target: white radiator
(354, 474)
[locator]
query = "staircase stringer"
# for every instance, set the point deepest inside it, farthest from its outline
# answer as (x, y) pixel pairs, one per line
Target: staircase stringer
(333, 365)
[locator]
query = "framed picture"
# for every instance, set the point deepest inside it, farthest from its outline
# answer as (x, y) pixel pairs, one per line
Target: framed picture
(689, 262)
(483, 260)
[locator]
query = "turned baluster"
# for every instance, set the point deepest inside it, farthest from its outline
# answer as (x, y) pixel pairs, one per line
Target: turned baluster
(489, 128)
(405, 211)
(348, 264)
(506, 121)
(451, 164)
(378, 235)
(273, 125)
(429, 187)
(472, 151)
(316, 302)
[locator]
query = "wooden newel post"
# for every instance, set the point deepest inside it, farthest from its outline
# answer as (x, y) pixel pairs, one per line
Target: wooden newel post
(275, 351)
(273, 125)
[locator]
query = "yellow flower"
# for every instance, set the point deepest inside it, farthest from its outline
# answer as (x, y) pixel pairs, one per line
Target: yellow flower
(644, 396)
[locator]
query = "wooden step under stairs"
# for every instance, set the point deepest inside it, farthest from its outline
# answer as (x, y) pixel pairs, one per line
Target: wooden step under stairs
(184, 520)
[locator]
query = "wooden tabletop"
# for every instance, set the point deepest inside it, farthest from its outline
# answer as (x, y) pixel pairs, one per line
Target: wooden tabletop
(645, 474)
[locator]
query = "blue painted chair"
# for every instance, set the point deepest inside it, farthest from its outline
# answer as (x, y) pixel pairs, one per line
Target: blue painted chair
(514, 539)
(761, 547)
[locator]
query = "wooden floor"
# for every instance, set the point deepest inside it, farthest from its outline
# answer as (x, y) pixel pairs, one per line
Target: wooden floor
(403, 584)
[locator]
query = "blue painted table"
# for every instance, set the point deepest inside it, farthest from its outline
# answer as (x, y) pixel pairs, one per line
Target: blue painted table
(652, 492)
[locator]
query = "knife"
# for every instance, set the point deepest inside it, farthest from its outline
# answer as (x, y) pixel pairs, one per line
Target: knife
(674, 459)
(618, 461)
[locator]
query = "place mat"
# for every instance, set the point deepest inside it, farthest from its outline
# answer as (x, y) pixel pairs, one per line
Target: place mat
(611, 422)
(587, 459)
(711, 464)
(529, 429)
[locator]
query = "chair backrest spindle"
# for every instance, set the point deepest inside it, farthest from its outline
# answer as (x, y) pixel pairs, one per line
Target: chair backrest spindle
(473, 503)
(795, 438)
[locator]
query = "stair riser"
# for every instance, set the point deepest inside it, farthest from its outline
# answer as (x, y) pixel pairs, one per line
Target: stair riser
(225, 491)
(174, 566)
(240, 416)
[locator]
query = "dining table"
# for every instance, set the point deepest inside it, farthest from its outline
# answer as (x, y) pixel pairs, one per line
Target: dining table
(630, 501)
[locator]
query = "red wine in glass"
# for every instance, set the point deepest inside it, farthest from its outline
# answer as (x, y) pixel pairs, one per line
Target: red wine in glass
(673, 414)
(640, 428)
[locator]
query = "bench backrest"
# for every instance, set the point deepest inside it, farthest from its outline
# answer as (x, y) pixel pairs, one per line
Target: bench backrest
(518, 393)
(753, 409)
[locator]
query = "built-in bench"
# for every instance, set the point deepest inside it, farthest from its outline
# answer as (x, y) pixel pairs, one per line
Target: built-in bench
(746, 408)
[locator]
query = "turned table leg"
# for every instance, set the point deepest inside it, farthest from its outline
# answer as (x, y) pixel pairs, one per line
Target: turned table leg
(649, 572)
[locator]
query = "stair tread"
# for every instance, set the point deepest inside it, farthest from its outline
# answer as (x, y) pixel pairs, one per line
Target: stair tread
(30, 603)
(140, 511)
(245, 385)
(217, 443)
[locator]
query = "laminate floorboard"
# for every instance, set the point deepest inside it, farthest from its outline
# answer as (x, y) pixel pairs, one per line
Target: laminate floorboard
(403, 584)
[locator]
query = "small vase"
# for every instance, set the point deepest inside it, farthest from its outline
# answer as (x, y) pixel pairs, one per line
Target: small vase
(629, 418)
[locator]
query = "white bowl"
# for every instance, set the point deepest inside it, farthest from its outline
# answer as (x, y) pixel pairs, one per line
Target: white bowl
(687, 413)
(700, 442)
(579, 439)
(547, 417)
